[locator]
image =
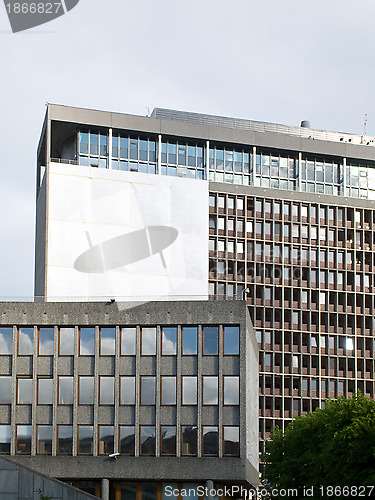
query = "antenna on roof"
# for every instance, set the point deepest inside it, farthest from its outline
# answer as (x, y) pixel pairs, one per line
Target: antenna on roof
(148, 112)
(365, 125)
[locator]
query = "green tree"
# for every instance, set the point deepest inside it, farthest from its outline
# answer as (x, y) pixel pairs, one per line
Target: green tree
(333, 446)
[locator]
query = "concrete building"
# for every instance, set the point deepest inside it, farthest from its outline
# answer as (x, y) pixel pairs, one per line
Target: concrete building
(291, 220)
(128, 400)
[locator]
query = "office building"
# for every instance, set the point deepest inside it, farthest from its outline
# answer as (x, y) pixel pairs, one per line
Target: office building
(128, 400)
(291, 220)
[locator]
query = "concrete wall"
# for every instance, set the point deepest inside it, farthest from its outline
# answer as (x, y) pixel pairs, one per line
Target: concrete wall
(20, 483)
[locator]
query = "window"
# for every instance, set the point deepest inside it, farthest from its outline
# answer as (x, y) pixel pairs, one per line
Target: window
(210, 440)
(25, 341)
(23, 439)
(231, 340)
(45, 389)
(189, 390)
(231, 390)
(210, 339)
(5, 390)
(168, 390)
(5, 439)
(6, 340)
(107, 341)
(106, 390)
(169, 341)
(231, 441)
(46, 336)
(85, 439)
(128, 341)
(127, 390)
(168, 440)
(147, 440)
(189, 440)
(210, 390)
(24, 391)
(66, 341)
(127, 440)
(65, 390)
(64, 439)
(148, 344)
(44, 439)
(106, 440)
(86, 390)
(189, 339)
(87, 342)
(147, 390)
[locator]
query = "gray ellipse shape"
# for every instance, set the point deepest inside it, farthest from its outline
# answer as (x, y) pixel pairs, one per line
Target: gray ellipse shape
(70, 4)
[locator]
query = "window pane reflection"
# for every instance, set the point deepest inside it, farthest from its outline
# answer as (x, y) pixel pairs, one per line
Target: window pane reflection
(44, 442)
(127, 440)
(231, 340)
(127, 388)
(46, 336)
(5, 390)
(189, 339)
(5, 438)
(24, 391)
(210, 390)
(64, 439)
(65, 390)
(85, 439)
(147, 390)
(149, 491)
(231, 390)
(6, 340)
(66, 341)
(231, 441)
(210, 444)
(45, 387)
(148, 341)
(210, 339)
(106, 439)
(107, 341)
(189, 440)
(147, 437)
(23, 439)
(128, 338)
(168, 390)
(25, 340)
(168, 440)
(169, 341)
(189, 390)
(128, 490)
(86, 390)
(106, 390)
(87, 342)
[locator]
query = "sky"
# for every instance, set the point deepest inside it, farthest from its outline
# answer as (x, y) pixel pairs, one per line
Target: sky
(267, 60)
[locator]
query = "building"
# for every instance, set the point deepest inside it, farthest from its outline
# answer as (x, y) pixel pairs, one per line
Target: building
(128, 400)
(291, 227)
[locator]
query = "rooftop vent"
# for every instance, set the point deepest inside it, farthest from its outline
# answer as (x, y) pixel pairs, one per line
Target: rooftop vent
(305, 124)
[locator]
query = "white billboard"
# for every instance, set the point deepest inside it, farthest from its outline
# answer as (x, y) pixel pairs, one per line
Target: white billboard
(125, 235)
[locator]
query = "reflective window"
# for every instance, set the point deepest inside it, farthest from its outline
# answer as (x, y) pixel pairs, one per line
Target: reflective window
(127, 440)
(147, 440)
(5, 390)
(148, 344)
(5, 439)
(6, 340)
(44, 439)
(189, 390)
(85, 439)
(149, 491)
(66, 341)
(86, 390)
(106, 439)
(106, 390)
(107, 341)
(210, 339)
(210, 390)
(24, 391)
(128, 490)
(168, 440)
(168, 390)
(231, 390)
(65, 390)
(46, 336)
(127, 390)
(25, 340)
(87, 341)
(45, 388)
(23, 439)
(210, 440)
(169, 340)
(231, 441)
(147, 390)
(64, 439)
(189, 440)
(128, 341)
(231, 340)
(189, 339)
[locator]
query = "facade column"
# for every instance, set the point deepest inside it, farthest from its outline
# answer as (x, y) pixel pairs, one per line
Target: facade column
(207, 165)
(210, 486)
(109, 148)
(159, 154)
(105, 489)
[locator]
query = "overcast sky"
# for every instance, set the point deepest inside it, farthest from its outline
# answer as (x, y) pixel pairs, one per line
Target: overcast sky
(267, 60)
